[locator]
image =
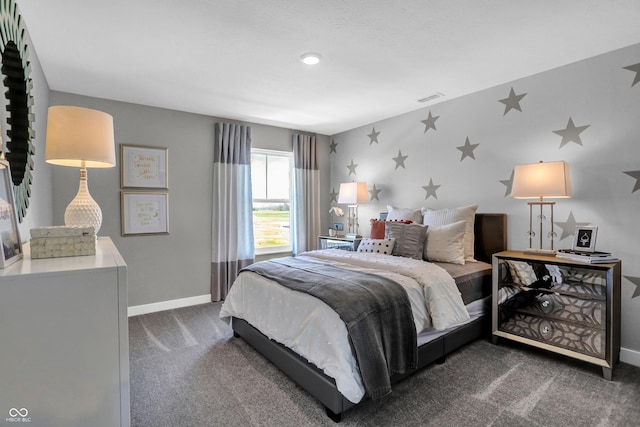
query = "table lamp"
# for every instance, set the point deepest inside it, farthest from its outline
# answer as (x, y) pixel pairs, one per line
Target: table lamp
(80, 137)
(353, 193)
(537, 181)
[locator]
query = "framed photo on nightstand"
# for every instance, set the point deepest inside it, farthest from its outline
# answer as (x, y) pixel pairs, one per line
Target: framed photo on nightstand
(585, 238)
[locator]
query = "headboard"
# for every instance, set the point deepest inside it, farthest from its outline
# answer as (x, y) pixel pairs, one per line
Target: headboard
(490, 234)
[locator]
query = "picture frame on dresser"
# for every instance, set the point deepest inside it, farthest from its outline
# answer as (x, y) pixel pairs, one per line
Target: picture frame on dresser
(9, 233)
(585, 238)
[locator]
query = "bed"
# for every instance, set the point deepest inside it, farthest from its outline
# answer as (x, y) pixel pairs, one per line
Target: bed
(303, 358)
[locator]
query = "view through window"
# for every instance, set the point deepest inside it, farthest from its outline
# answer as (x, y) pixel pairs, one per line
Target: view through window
(271, 186)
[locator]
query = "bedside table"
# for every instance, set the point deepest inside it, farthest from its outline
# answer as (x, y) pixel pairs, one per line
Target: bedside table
(578, 317)
(327, 242)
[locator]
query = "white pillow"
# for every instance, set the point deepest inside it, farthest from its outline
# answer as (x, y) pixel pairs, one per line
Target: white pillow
(404, 214)
(378, 246)
(451, 215)
(445, 243)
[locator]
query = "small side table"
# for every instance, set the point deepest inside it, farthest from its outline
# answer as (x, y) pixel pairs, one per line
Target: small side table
(327, 242)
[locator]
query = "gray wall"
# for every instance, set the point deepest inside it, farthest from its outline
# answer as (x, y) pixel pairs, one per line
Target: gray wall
(174, 266)
(597, 92)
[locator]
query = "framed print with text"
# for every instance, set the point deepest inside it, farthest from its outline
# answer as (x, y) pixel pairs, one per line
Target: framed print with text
(144, 213)
(143, 167)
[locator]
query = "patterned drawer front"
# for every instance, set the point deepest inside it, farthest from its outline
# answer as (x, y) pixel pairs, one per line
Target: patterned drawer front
(589, 313)
(578, 338)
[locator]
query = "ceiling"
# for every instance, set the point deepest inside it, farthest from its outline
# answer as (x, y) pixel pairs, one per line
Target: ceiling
(239, 59)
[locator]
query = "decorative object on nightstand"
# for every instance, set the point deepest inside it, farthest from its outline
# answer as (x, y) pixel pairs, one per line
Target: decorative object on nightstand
(352, 194)
(537, 181)
(81, 137)
(585, 238)
(333, 230)
(564, 306)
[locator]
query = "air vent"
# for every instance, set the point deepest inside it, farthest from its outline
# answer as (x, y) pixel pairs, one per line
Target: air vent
(431, 97)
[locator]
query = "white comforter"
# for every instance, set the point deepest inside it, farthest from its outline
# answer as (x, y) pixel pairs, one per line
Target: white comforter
(312, 329)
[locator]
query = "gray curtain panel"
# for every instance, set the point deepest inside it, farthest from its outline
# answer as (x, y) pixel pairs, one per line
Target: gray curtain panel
(306, 193)
(232, 217)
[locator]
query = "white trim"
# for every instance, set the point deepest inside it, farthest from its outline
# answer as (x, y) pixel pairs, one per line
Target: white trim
(632, 357)
(137, 310)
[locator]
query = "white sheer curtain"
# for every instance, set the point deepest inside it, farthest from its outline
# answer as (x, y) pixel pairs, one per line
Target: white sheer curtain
(306, 193)
(232, 218)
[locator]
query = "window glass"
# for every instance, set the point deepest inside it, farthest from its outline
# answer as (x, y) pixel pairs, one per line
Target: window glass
(271, 186)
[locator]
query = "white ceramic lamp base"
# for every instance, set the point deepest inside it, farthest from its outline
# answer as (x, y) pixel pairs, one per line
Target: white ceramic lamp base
(83, 211)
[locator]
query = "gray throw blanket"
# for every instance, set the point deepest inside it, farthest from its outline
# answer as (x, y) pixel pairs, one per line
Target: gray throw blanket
(376, 311)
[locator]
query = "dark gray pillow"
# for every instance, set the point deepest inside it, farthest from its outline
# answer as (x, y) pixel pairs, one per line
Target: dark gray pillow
(409, 239)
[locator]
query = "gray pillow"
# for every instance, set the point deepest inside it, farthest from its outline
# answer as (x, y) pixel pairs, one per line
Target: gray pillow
(409, 239)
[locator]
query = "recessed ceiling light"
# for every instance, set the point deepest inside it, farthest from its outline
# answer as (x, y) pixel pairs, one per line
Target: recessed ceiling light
(310, 58)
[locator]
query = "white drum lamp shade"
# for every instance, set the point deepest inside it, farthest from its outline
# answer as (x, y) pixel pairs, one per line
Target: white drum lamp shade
(83, 138)
(352, 194)
(536, 180)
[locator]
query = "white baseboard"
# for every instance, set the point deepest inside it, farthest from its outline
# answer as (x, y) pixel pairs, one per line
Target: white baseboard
(632, 357)
(137, 310)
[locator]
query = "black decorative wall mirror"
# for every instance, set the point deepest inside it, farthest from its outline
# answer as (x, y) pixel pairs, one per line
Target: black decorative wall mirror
(18, 146)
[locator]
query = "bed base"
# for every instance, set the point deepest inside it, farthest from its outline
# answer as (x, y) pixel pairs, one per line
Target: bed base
(323, 388)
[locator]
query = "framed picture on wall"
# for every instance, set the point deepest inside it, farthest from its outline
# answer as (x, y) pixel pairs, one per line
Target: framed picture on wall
(143, 167)
(144, 213)
(9, 234)
(585, 238)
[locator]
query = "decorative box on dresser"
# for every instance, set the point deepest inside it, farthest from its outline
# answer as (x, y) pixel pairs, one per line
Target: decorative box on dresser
(579, 316)
(64, 340)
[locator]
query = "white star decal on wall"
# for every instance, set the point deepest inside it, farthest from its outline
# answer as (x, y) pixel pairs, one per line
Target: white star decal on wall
(636, 176)
(512, 102)
(352, 168)
(430, 122)
(508, 183)
(374, 193)
(333, 196)
(636, 69)
(467, 149)
(431, 189)
(333, 146)
(400, 160)
(569, 227)
(635, 281)
(373, 136)
(571, 133)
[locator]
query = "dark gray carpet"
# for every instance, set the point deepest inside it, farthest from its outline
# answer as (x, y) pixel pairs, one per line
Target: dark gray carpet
(187, 370)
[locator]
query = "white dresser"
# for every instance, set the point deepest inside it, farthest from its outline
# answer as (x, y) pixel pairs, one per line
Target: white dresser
(64, 340)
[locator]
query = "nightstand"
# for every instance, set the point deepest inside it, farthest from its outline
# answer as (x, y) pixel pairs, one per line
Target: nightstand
(578, 317)
(327, 242)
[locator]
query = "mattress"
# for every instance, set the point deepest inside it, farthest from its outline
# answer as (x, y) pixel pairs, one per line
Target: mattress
(473, 279)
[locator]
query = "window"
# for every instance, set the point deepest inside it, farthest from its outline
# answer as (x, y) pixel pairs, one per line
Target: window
(271, 186)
